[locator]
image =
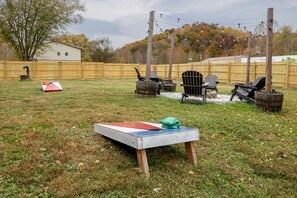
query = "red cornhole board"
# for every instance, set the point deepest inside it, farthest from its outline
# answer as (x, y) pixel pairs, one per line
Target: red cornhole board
(51, 86)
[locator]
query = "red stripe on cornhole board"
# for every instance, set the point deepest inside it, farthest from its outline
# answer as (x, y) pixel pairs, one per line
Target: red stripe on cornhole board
(52, 87)
(135, 125)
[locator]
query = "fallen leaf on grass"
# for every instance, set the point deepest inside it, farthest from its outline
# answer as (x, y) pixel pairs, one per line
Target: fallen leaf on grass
(157, 190)
(81, 165)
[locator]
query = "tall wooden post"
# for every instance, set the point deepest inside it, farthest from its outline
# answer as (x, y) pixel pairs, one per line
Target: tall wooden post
(269, 49)
(248, 64)
(149, 46)
(171, 56)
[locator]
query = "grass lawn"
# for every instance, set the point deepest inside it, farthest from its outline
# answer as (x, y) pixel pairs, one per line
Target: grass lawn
(48, 147)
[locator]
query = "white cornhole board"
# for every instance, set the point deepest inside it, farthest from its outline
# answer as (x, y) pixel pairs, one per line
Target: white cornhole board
(51, 86)
(143, 135)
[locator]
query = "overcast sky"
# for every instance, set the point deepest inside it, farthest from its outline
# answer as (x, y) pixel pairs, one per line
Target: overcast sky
(126, 21)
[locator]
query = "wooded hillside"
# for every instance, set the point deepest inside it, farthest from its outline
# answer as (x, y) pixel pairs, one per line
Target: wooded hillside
(198, 42)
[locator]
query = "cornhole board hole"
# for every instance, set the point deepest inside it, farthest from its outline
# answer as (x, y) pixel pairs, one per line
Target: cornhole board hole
(144, 135)
(51, 86)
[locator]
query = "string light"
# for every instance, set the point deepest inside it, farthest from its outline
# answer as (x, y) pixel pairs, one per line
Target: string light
(178, 21)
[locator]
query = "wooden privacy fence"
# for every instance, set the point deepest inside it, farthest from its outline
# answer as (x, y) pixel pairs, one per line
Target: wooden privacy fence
(284, 74)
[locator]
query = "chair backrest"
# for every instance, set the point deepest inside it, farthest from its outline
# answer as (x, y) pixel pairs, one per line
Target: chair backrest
(192, 83)
(153, 76)
(259, 83)
(212, 80)
(138, 74)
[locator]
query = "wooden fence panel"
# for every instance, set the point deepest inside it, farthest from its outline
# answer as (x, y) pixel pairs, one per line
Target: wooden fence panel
(284, 73)
(237, 72)
(292, 75)
(92, 70)
(221, 71)
(46, 70)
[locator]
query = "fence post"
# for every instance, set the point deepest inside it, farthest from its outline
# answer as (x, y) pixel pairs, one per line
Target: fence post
(82, 69)
(177, 68)
(287, 74)
(60, 70)
(103, 70)
(5, 70)
(122, 70)
(229, 72)
(255, 71)
(34, 69)
(166, 71)
(208, 68)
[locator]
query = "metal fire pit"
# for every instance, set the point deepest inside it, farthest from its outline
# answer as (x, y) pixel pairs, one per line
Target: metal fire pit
(27, 76)
(168, 85)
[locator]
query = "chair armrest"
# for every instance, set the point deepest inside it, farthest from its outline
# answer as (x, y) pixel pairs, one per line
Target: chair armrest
(249, 86)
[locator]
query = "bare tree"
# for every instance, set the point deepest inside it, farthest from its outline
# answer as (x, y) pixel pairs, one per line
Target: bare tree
(26, 25)
(101, 50)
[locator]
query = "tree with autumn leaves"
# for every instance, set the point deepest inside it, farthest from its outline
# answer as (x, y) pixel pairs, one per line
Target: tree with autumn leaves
(27, 25)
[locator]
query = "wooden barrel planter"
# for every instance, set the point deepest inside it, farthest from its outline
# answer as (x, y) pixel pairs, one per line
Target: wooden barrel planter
(24, 77)
(271, 102)
(146, 88)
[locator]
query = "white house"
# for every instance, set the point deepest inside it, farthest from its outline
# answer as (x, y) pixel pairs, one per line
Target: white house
(274, 58)
(243, 59)
(60, 52)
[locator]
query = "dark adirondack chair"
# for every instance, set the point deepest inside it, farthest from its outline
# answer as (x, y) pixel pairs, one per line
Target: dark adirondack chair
(153, 77)
(193, 85)
(247, 91)
(212, 81)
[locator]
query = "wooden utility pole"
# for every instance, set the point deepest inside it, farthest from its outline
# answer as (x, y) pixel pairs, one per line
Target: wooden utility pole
(248, 64)
(149, 46)
(171, 56)
(269, 49)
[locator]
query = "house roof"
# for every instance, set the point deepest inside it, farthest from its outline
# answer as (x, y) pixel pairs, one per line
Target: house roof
(224, 59)
(66, 45)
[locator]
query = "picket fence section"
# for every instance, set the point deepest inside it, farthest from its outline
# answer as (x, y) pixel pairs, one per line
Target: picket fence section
(284, 74)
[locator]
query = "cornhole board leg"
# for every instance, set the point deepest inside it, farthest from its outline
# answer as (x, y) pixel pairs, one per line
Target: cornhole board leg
(142, 161)
(190, 148)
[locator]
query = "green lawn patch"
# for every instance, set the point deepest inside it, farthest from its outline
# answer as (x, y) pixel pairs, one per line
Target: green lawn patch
(48, 147)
